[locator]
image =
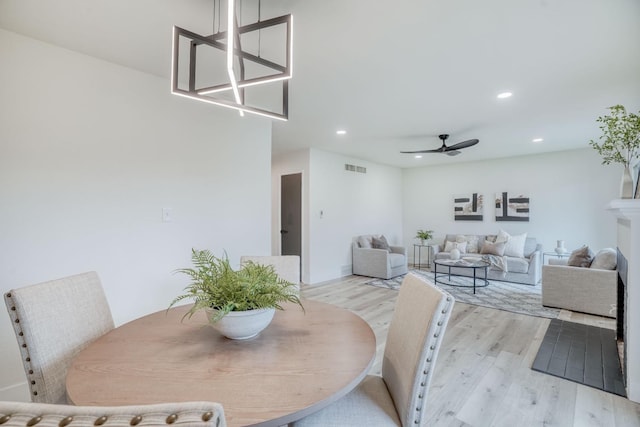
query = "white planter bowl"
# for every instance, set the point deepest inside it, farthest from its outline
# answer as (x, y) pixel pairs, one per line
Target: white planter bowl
(242, 325)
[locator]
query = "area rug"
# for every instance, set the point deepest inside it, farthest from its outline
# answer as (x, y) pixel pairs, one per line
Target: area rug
(513, 297)
(583, 354)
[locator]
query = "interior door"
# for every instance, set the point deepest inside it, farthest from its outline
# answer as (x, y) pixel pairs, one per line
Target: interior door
(291, 214)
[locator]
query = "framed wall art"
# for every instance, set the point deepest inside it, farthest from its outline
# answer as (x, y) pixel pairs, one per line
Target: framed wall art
(468, 207)
(512, 208)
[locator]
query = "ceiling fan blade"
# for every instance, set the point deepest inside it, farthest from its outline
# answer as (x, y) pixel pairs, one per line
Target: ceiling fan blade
(422, 151)
(463, 144)
(452, 153)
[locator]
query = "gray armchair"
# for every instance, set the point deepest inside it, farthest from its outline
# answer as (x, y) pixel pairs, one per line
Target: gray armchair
(374, 262)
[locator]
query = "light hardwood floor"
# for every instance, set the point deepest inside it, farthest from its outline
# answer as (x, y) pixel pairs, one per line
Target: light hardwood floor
(483, 375)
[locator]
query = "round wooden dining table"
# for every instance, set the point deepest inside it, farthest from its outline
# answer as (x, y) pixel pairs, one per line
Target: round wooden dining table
(300, 363)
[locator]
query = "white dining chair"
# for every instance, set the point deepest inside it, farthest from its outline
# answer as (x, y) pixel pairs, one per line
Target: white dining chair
(22, 414)
(53, 321)
(286, 266)
(399, 396)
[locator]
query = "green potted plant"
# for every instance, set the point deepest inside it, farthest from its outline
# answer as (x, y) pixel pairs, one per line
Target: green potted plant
(620, 143)
(239, 303)
(424, 235)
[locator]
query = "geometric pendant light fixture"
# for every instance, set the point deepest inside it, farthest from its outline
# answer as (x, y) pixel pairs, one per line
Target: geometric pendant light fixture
(235, 68)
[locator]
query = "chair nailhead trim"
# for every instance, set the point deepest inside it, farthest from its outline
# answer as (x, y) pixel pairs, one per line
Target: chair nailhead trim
(33, 421)
(100, 421)
(207, 416)
(65, 421)
(135, 420)
(172, 418)
(4, 419)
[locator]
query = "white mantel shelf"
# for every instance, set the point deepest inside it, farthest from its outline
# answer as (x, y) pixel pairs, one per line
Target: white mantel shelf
(624, 208)
(627, 212)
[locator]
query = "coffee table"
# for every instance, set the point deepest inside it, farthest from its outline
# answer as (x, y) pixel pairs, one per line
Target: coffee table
(474, 264)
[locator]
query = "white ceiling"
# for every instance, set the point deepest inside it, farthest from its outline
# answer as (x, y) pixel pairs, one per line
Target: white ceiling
(395, 74)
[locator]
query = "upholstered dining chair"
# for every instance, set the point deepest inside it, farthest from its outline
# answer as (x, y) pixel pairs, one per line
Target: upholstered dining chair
(53, 322)
(399, 396)
(22, 414)
(286, 266)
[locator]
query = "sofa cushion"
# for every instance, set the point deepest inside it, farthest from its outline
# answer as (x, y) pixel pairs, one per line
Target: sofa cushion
(396, 260)
(605, 259)
(490, 248)
(517, 264)
(380, 243)
(581, 257)
(461, 246)
(471, 240)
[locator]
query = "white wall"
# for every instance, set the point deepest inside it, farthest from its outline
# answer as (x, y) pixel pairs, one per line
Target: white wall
(90, 153)
(351, 203)
(568, 192)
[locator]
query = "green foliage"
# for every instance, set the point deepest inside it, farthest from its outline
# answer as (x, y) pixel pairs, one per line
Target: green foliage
(214, 284)
(424, 234)
(620, 139)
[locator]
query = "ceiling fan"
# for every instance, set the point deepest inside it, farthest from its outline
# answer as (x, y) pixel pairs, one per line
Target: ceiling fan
(451, 150)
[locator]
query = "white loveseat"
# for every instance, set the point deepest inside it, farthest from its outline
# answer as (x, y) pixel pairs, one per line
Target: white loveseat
(524, 269)
(374, 262)
(591, 290)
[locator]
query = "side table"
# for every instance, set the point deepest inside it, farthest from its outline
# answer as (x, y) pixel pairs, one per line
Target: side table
(554, 254)
(418, 247)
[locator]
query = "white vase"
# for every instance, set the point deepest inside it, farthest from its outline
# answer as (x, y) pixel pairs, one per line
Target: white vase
(626, 184)
(560, 249)
(454, 254)
(242, 325)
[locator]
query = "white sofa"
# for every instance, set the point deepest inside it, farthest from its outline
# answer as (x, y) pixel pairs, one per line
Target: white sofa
(524, 270)
(587, 290)
(380, 263)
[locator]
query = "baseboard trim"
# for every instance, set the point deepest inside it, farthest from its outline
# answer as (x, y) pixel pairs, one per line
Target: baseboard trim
(15, 393)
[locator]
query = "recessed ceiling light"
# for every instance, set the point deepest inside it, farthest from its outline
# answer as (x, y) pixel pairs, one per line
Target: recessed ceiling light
(504, 95)
(341, 132)
(537, 140)
(418, 156)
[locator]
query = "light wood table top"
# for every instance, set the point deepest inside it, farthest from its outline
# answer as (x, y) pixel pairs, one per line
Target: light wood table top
(298, 365)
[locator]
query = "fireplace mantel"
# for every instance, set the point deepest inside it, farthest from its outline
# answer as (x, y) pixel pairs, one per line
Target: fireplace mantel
(627, 212)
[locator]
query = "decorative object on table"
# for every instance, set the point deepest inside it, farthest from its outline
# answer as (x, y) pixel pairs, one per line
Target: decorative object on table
(560, 249)
(248, 296)
(468, 207)
(636, 169)
(620, 143)
(454, 253)
(512, 208)
(424, 235)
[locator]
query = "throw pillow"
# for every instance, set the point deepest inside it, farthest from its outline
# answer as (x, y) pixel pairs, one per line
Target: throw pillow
(461, 246)
(364, 242)
(605, 259)
(502, 236)
(515, 246)
(472, 242)
(491, 248)
(581, 257)
(380, 243)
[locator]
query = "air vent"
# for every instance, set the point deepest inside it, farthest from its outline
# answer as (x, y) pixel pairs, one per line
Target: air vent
(354, 168)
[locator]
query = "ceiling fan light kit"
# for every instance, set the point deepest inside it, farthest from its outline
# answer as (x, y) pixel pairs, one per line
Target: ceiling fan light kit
(452, 150)
(193, 78)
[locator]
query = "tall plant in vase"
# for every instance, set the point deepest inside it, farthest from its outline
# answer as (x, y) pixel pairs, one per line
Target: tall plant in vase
(620, 143)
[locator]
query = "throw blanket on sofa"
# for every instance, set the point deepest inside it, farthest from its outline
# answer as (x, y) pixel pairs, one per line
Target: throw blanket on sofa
(496, 262)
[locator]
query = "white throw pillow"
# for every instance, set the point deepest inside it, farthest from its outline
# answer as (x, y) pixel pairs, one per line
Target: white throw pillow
(472, 242)
(515, 245)
(461, 246)
(364, 242)
(605, 259)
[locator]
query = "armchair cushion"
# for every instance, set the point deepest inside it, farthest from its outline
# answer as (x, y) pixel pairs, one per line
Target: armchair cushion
(581, 257)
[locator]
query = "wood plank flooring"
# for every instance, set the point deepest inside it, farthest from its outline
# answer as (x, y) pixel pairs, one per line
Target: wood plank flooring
(483, 376)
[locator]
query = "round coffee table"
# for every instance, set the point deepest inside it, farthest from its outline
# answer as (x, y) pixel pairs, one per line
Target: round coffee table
(474, 264)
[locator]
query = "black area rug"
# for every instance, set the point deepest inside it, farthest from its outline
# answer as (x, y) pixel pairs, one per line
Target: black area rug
(581, 353)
